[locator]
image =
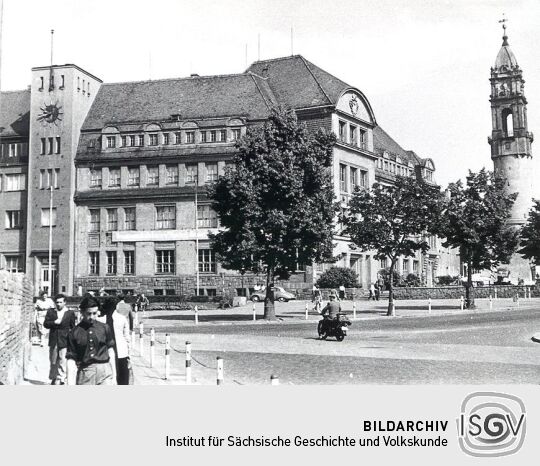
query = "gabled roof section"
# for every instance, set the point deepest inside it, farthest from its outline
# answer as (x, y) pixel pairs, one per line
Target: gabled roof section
(298, 83)
(191, 98)
(383, 142)
(15, 113)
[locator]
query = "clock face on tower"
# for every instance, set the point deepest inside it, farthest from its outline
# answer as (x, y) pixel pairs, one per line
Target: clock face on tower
(50, 114)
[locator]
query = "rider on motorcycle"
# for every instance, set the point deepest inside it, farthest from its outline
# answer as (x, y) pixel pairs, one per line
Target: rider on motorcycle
(330, 312)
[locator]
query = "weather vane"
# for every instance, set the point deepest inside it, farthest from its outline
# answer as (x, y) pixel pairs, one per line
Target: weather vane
(503, 21)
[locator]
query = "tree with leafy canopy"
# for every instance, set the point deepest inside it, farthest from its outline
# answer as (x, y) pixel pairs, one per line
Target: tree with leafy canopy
(276, 206)
(475, 222)
(530, 235)
(393, 220)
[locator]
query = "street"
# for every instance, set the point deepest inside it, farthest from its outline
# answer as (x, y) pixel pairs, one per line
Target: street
(473, 347)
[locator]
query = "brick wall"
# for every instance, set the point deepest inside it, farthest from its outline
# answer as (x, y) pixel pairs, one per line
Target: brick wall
(16, 311)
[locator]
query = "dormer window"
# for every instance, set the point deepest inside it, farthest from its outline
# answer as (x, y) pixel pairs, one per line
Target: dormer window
(222, 135)
(213, 136)
(235, 134)
(140, 140)
(165, 139)
(204, 136)
(190, 137)
(111, 142)
(153, 139)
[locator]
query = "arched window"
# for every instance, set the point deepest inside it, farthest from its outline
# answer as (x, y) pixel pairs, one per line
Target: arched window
(508, 122)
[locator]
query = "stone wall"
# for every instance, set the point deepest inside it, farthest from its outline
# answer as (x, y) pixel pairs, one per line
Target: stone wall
(455, 292)
(16, 311)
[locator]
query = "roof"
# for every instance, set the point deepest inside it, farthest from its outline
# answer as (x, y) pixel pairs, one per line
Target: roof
(191, 98)
(505, 57)
(15, 113)
(298, 83)
(382, 142)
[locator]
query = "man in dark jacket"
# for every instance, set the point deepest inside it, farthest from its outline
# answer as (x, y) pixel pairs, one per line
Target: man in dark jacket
(59, 321)
(329, 312)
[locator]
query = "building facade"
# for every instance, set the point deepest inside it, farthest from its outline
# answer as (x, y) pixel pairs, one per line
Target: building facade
(129, 164)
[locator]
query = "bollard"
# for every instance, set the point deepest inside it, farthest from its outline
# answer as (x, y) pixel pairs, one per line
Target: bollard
(461, 301)
(136, 319)
(152, 347)
(490, 303)
(274, 380)
(219, 371)
(429, 305)
(525, 293)
(495, 293)
(307, 309)
(517, 299)
(188, 363)
(254, 312)
(141, 339)
(354, 310)
(167, 356)
(132, 340)
(196, 315)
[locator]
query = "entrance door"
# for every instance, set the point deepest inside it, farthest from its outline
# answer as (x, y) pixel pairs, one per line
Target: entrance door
(49, 283)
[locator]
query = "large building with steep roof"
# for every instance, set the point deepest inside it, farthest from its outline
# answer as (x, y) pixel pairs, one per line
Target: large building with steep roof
(129, 164)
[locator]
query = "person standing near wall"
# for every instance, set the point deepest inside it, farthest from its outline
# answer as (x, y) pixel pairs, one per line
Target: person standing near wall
(59, 321)
(43, 304)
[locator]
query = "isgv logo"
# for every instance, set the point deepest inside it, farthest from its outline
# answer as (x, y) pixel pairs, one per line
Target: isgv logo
(491, 424)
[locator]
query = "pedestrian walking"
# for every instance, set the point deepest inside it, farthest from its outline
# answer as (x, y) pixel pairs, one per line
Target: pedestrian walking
(371, 292)
(119, 326)
(377, 291)
(316, 299)
(90, 349)
(142, 302)
(342, 292)
(59, 321)
(125, 309)
(43, 304)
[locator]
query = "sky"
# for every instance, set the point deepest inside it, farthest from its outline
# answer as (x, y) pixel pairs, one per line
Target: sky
(424, 65)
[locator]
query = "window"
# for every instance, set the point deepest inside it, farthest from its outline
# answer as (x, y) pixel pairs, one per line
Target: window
(363, 178)
(111, 262)
(190, 137)
(429, 175)
(166, 138)
(43, 147)
(42, 81)
(48, 177)
(405, 269)
(13, 219)
(57, 145)
(140, 140)
(95, 178)
(191, 173)
(50, 145)
(354, 177)
(165, 261)
(207, 261)
(152, 176)
(222, 135)
(129, 218)
(363, 139)
(415, 266)
(14, 264)
(111, 142)
(342, 131)
(204, 136)
(123, 141)
(112, 219)
(384, 263)
(93, 262)
(94, 220)
(114, 177)
(165, 217)
(129, 262)
(211, 172)
(213, 136)
(133, 177)
(47, 219)
(131, 140)
(352, 134)
(343, 177)
(172, 174)
(236, 134)
(206, 217)
(153, 139)
(15, 182)
(178, 137)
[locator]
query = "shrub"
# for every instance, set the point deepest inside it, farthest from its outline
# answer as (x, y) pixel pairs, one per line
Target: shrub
(385, 274)
(334, 277)
(412, 280)
(445, 280)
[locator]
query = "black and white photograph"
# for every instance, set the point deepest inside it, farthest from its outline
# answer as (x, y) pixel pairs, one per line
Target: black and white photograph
(203, 193)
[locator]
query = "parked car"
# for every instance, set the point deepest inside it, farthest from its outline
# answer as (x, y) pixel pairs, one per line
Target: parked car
(280, 294)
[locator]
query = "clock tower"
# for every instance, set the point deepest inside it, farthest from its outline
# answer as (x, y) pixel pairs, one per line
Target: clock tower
(61, 96)
(511, 141)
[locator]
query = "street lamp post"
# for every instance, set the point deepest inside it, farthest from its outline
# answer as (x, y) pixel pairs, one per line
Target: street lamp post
(197, 232)
(50, 235)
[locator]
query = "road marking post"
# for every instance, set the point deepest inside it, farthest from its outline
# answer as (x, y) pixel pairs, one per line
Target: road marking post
(517, 299)
(152, 347)
(354, 310)
(188, 363)
(196, 315)
(525, 293)
(307, 309)
(429, 305)
(141, 340)
(219, 378)
(495, 289)
(167, 356)
(254, 312)
(490, 303)
(274, 380)
(136, 319)
(461, 302)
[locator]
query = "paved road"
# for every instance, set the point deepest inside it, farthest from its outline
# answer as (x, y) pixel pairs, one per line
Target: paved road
(476, 348)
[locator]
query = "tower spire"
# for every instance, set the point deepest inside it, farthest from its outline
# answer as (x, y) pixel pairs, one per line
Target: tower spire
(503, 21)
